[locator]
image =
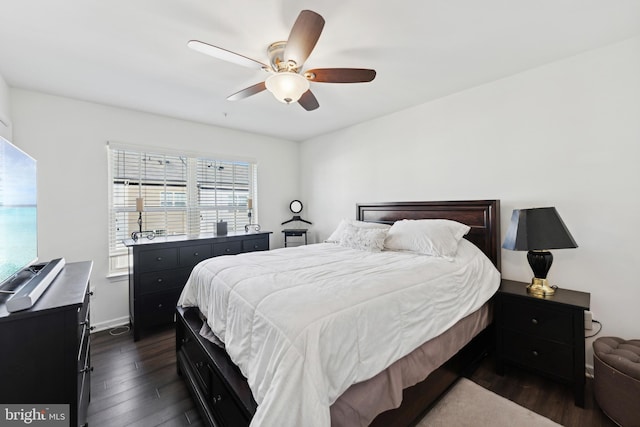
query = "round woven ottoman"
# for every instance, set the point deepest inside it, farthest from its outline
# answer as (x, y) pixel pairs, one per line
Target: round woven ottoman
(616, 372)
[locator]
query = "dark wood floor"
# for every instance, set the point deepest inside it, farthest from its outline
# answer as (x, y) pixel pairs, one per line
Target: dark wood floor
(543, 396)
(136, 384)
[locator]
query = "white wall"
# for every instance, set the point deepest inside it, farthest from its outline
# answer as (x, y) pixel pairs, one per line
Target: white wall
(68, 138)
(565, 135)
(5, 117)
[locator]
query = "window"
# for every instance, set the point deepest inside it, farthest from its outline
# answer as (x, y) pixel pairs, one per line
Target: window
(182, 195)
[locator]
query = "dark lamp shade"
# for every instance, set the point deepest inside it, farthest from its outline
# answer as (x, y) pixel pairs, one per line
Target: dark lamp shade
(537, 229)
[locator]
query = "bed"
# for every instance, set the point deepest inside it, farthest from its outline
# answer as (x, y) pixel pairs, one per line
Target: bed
(219, 387)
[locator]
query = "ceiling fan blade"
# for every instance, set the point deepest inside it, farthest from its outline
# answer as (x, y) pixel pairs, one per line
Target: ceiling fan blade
(308, 101)
(247, 92)
(340, 75)
(225, 55)
(303, 37)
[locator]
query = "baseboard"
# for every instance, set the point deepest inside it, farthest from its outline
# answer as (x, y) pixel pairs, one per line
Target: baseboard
(110, 324)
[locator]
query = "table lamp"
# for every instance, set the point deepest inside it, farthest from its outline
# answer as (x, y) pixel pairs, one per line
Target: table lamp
(537, 230)
(140, 209)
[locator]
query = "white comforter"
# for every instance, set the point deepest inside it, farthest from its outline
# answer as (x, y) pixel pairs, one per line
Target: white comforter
(305, 323)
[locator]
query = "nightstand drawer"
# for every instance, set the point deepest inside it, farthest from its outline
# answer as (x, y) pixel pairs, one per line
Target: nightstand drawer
(539, 354)
(191, 255)
(227, 248)
(534, 319)
(158, 259)
(258, 244)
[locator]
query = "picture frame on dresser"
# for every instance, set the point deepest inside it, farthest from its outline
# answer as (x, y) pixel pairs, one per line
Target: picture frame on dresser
(159, 269)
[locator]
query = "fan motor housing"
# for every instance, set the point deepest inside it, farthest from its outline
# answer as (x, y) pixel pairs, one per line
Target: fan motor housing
(275, 52)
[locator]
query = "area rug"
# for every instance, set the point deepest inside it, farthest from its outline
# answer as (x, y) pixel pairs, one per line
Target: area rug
(468, 404)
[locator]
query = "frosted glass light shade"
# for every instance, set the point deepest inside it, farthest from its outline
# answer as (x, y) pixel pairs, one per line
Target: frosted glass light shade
(286, 86)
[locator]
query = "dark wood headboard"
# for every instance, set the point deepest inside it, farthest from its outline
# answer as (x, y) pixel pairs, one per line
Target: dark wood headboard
(483, 216)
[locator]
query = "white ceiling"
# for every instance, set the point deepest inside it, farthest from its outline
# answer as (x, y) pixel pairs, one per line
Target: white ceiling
(133, 53)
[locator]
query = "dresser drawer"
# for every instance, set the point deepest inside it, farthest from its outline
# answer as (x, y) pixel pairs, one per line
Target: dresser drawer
(533, 319)
(158, 259)
(158, 281)
(258, 244)
(83, 398)
(83, 350)
(84, 380)
(535, 353)
(83, 319)
(227, 248)
(158, 308)
(83, 338)
(191, 255)
(83, 311)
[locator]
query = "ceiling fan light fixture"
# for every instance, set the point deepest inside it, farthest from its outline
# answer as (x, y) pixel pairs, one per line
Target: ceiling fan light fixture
(287, 87)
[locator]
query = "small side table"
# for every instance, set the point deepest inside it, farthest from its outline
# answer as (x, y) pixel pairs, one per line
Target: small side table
(294, 232)
(544, 335)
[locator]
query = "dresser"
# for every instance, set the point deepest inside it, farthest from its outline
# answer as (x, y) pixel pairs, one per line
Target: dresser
(544, 335)
(159, 269)
(44, 355)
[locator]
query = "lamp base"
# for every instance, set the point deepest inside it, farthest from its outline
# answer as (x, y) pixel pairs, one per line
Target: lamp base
(540, 288)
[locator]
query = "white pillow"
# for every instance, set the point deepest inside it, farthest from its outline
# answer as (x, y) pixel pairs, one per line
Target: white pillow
(337, 234)
(363, 238)
(435, 237)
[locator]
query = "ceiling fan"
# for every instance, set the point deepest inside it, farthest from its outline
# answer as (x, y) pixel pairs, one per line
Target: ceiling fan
(287, 82)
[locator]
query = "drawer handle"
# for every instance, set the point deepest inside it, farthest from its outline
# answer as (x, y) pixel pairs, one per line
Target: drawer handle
(199, 364)
(534, 321)
(185, 340)
(159, 305)
(196, 254)
(256, 246)
(216, 399)
(228, 250)
(535, 353)
(160, 280)
(159, 258)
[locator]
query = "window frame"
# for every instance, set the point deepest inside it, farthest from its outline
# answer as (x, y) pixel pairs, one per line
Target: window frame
(199, 216)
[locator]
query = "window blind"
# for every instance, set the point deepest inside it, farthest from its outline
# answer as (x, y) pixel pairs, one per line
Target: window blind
(182, 195)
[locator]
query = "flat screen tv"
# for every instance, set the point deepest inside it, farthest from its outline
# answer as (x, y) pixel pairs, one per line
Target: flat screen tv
(18, 212)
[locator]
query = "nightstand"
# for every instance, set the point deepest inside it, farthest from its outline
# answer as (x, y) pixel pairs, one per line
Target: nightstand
(544, 335)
